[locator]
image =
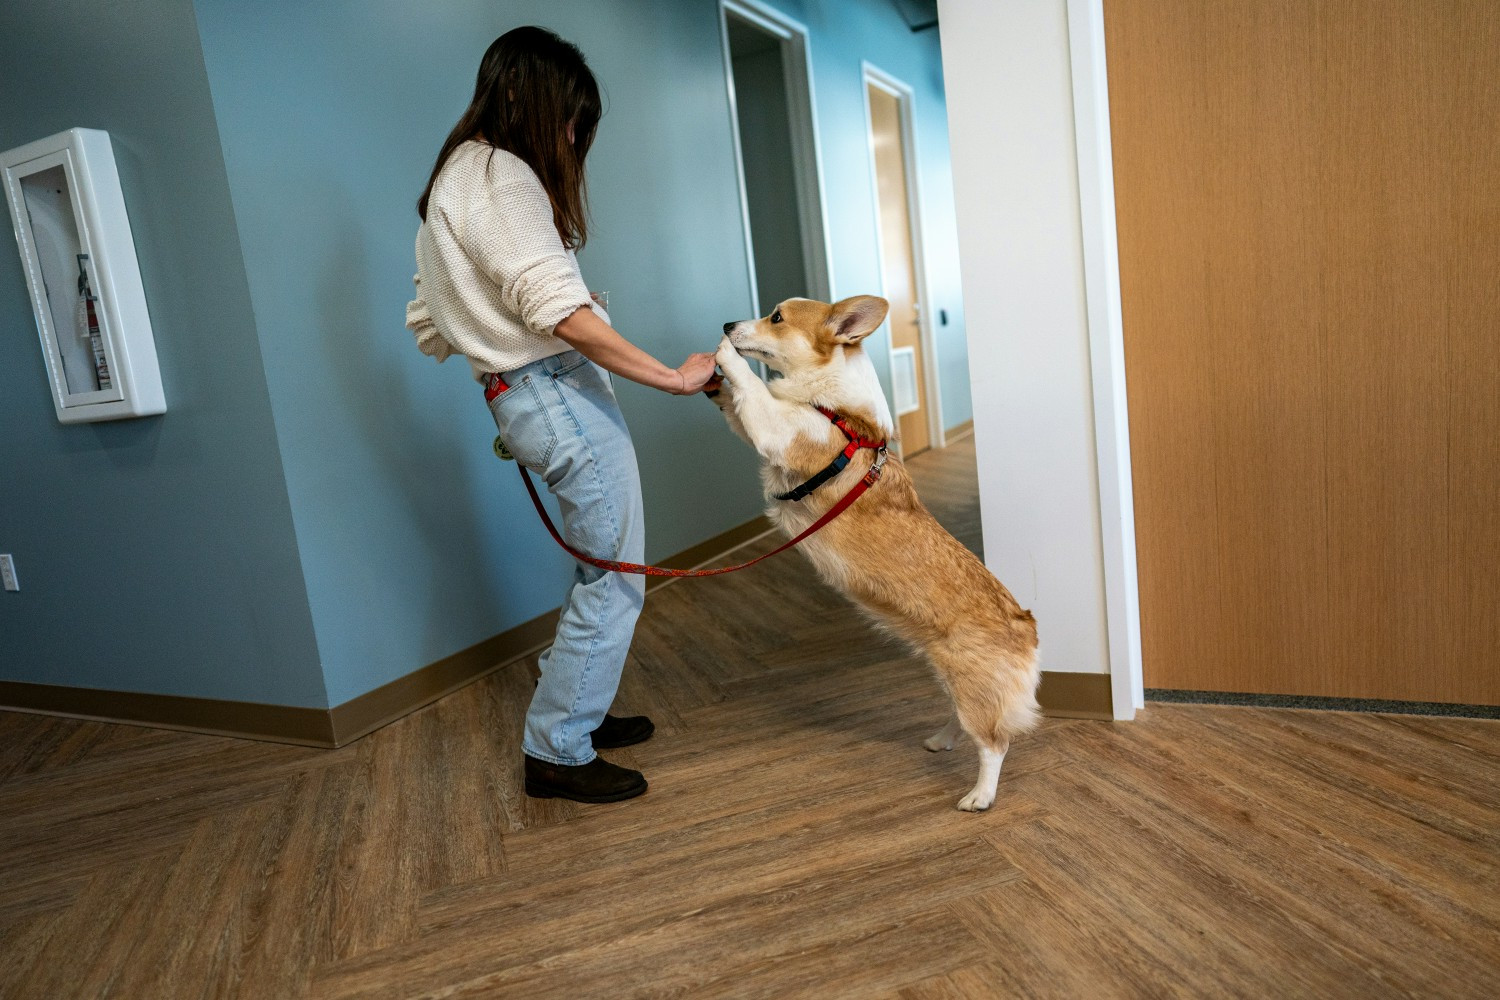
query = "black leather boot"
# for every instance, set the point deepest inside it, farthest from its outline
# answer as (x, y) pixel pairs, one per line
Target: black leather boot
(596, 781)
(615, 732)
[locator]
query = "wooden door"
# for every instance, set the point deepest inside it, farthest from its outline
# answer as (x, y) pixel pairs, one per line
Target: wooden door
(1308, 200)
(899, 258)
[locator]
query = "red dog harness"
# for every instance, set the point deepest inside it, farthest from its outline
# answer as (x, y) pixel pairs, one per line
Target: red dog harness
(837, 465)
(494, 385)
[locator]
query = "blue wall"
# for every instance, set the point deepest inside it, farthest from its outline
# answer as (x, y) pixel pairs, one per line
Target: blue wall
(415, 541)
(320, 496)
(154, 555)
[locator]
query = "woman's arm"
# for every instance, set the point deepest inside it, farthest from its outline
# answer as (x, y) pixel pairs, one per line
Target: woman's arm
(596, 340)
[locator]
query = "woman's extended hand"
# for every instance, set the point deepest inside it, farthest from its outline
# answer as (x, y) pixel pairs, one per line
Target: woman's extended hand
(596, 340)
(696, 371)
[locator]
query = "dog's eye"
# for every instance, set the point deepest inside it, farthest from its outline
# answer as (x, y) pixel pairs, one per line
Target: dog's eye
(776, 316)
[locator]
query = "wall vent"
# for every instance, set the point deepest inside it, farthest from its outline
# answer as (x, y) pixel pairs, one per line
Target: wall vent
(904, 379)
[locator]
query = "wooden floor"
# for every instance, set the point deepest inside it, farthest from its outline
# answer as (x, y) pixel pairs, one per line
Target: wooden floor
(796, 841)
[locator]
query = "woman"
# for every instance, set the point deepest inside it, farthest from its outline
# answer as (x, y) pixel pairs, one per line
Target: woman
(498, 282)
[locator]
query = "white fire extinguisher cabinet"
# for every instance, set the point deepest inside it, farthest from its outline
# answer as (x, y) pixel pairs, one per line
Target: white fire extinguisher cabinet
(79, 260)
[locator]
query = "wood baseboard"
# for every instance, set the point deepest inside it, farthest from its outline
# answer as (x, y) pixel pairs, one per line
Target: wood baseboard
(1076, 696)
(958, 431)
(345, 723)
(404, 695)
(363, 715)
(212, 716)
(317, 727)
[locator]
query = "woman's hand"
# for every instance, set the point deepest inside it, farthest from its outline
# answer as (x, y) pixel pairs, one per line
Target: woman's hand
(697, 371)
(602, 344)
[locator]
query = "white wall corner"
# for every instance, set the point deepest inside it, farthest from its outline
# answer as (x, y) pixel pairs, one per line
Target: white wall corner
(1106, 349)
(1027, 107)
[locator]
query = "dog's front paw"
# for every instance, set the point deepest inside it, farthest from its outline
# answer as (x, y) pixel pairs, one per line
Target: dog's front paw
(729, 360)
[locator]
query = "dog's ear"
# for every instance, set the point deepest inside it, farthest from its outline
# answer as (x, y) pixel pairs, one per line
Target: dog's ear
(855, 318)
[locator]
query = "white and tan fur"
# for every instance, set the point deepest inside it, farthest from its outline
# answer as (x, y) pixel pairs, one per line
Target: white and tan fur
(886, 552)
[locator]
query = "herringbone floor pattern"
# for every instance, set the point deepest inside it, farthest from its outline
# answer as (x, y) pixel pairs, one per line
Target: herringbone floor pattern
(796, 841)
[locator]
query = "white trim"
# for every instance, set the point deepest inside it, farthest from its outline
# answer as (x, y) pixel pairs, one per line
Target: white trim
(1101, 273)
(872, 75)
(807, 154)
(739, 159)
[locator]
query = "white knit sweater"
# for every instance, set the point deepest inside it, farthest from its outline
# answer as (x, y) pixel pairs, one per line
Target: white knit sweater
(493, 276)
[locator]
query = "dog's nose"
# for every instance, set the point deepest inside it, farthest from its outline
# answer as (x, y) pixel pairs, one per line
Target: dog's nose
(728, 327)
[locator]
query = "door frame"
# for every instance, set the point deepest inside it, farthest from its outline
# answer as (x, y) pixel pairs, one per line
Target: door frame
(873, 76)
(807, 153)
(1106, 335)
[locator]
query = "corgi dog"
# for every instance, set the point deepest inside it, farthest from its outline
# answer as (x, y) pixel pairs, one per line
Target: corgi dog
(886, 553)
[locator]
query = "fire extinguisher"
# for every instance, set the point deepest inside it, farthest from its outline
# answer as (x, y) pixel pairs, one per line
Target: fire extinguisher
(88, 324)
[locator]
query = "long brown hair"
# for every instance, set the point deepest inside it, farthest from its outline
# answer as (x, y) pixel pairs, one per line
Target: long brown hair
(531, 85)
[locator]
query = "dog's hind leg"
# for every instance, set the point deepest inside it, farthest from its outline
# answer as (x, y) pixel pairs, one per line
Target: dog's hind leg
(982, 796)
(945, 738)
(995, 702)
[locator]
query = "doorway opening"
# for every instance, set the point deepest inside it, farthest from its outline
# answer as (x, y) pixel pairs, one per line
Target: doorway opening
(776, 150)
(893, 167)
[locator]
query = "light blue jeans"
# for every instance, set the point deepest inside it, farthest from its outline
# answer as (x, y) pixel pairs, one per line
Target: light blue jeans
(560, 419)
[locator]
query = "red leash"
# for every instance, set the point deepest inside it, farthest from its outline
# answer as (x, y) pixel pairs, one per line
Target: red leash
(496, 385)
(870, 479)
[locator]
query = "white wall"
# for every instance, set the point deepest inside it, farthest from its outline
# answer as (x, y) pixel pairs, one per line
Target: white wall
(1015, 176)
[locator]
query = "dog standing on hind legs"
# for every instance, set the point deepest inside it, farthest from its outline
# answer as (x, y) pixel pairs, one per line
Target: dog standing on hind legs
(885, 552)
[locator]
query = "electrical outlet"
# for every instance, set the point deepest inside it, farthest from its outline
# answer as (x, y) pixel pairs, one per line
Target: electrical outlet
(8, 572)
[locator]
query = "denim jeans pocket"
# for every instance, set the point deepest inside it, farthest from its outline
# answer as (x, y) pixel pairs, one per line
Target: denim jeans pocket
(524, 424)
